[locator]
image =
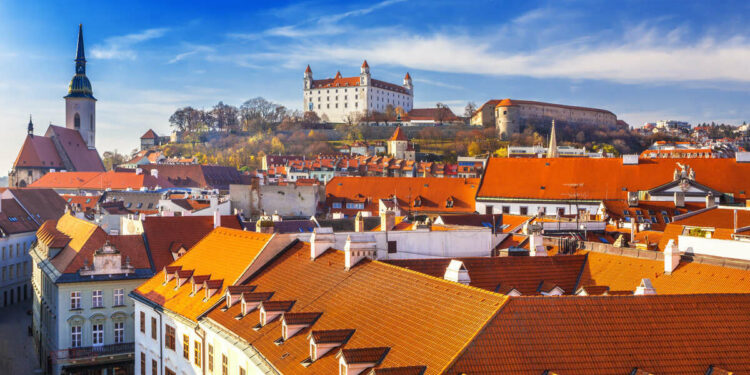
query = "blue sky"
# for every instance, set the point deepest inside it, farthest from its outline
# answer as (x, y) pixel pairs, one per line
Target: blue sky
(643, 60)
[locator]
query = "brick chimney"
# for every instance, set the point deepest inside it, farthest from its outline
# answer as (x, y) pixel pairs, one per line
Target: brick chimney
(358, 248)
(457, 272)
(387, 220)
(321, 240)
(671, 257)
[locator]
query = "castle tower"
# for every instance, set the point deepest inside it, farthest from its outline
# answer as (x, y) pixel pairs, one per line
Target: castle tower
(364, 74)
(308, 78)
(407, 84)
(80, 104)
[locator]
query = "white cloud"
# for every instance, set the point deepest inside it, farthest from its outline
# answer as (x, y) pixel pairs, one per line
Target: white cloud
(121, 47)
(437, 83)
(192, 50)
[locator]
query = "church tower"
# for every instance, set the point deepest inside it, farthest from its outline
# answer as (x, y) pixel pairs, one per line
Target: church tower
(80, 104)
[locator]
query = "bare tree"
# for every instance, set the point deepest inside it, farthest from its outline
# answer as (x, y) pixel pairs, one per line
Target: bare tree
(441, 113)
(352, 118)
(469, 110)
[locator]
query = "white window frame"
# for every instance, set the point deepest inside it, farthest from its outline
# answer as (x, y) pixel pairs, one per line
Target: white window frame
(97, 334)
(119, 297)
(76, 336)
(119, 332)
(75, 300)
(97, 298)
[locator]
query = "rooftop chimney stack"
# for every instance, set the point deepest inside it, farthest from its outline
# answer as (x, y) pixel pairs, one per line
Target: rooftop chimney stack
(138, 171)
(359, 223)
(217, 218)
(358, 248)
(710, 200)
(679, 199)
(536, 245)
(155, 173)
(457, 272)
(645, 288)
(321, 240)
(671, 257)
(387, 220)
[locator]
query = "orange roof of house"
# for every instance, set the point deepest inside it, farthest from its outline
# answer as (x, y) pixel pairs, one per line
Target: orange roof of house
(511, 102)
(605, 178)
(719, 218)
(424, 321)
(398, 135)
(524, 274)
(38, 151)
(677, 334)
(85, 202)
(224, 254)
(150, 134)
(100, 181)
(625, 273)
(433, 192)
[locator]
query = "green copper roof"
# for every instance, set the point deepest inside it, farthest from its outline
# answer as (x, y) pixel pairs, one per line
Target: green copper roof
(80, 86)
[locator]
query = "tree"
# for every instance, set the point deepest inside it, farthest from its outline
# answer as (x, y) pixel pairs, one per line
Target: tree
(310, 118)
(277, 147)
(226, 117)
(352, 118)
(469, 110)
(442, 112)
(474, 149)
(258, 114)
(111, 159)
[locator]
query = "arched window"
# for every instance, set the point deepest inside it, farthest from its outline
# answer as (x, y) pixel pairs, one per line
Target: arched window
(77, 122)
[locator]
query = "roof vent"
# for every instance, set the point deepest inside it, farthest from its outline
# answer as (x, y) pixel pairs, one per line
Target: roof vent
(630, 159)
(358, 248)
(321, 240)
(645, 288)
(457, 272)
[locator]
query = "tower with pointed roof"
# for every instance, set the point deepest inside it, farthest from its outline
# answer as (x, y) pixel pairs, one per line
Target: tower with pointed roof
(364, 74)
(30, 128)
(552, 147)
(308, 78)
(399, 147)
(407, 84)
(80, 104)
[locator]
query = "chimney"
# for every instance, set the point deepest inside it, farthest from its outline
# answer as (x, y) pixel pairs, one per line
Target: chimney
(138, 171)
(217, 218)
(710, 201)
(387, 220)
(359, 223)
(536, 241)
(155, 173)
(457, 272)
(679, 199)
(645, 288)
(671, 257)
(321, 240)
(276, 217)
(358, 248)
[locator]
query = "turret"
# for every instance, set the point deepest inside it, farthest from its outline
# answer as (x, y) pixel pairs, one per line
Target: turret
(364, 74)
(407, 83)
(308, 78)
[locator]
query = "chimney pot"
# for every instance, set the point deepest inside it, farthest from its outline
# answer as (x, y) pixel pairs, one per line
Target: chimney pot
(671, 257)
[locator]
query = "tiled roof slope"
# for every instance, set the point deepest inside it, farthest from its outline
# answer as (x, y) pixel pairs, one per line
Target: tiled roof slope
(424, 321)
(82, 158)
(525, 274)
(721, 219)
(433, 191)
(150, 134)
(625, 273)
(38, 151)
(680, 334)
(398, 135)
(42, 204)
(550, 178)
(100, 181)
(223, 254)
(14, 219)
(163, 232)
(512, 102)
(198, 176)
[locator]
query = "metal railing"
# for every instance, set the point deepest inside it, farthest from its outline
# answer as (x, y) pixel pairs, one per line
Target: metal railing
(93, 351)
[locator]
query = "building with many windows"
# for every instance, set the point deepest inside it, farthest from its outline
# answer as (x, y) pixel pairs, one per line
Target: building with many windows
(334, 99)
(82, 320)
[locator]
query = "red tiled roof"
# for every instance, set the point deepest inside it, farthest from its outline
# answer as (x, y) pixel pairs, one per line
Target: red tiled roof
(82, 158)
(509, 102)
(606, 178)
(38, 151)
(100, 181)
(432, 114)
(198, 176)
(525, 274)
(398, 135)
(85, 202)
(679, 334)
(150, 134)
(14, 219)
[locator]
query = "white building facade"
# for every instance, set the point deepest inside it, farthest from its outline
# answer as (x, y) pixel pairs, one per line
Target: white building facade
(335, 99)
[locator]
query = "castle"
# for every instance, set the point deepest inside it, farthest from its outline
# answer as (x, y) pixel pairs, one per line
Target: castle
(69, 148)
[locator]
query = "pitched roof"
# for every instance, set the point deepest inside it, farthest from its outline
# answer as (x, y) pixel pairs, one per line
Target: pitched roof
(603, 178)
(678, 334)
(41, 204)
(100, 181)
(386, 306)
(398, 135)
(150, 134)
(163, 232)
(224, 254)
(38, 151)
(75, 148)
(433, 192)
(436, 114)
(198, 176)
(525, 274)
(14, 219)
(625, 273)
(512, 102)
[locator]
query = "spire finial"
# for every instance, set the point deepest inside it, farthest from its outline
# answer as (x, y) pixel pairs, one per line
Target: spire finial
(31, 126)
(80, 54)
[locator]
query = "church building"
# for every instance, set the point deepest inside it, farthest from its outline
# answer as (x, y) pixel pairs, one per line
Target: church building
(69, 148)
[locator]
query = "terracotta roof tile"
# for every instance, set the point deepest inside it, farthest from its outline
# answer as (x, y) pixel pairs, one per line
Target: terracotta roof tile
(332, 336)
(406, 370)
(364, 355)
(301, 318)
(82, 157)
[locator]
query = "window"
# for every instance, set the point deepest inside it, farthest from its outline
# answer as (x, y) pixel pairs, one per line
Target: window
(75, 336)
(197, 354)
(97, 332)
(524, 210)
(210, 357)
(224, 365)
(154, 367)
(119, 297)
(392, 247)
(186, 346)
(488, 210)
(143, 363)
(560, 211)
(143, 322)
(96, 298)
(336, 205)
(3, 252)
(169, 337)
(75, 300)
(119, 332)
(4, 270)
(506, 209)
(153, 328)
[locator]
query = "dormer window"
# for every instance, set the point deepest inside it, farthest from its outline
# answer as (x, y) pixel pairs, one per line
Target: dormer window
(418, 202)
(449, 202)
(321, 342)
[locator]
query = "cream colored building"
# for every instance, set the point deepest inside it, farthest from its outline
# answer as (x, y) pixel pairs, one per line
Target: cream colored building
(333, 99)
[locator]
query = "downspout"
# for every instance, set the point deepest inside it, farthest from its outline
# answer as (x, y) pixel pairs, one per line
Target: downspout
(161, 338)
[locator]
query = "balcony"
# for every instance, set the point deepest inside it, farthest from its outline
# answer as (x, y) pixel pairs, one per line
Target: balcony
(93, 351)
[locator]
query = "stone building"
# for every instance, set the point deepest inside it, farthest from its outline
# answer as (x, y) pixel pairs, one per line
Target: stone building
(399, 146)
(333, 99)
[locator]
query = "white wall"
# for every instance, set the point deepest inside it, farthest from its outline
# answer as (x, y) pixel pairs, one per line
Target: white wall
(550, 207)
(714, 247)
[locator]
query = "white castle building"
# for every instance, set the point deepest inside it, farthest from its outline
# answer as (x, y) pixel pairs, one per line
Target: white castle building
(333, 99)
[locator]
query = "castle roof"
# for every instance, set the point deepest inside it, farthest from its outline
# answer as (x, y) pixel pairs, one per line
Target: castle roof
(364, 64)
(513, 102)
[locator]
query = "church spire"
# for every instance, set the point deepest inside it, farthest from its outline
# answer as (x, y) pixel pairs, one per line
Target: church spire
(552, 147)
(80, 54)
(80, 86)
(31, 127)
